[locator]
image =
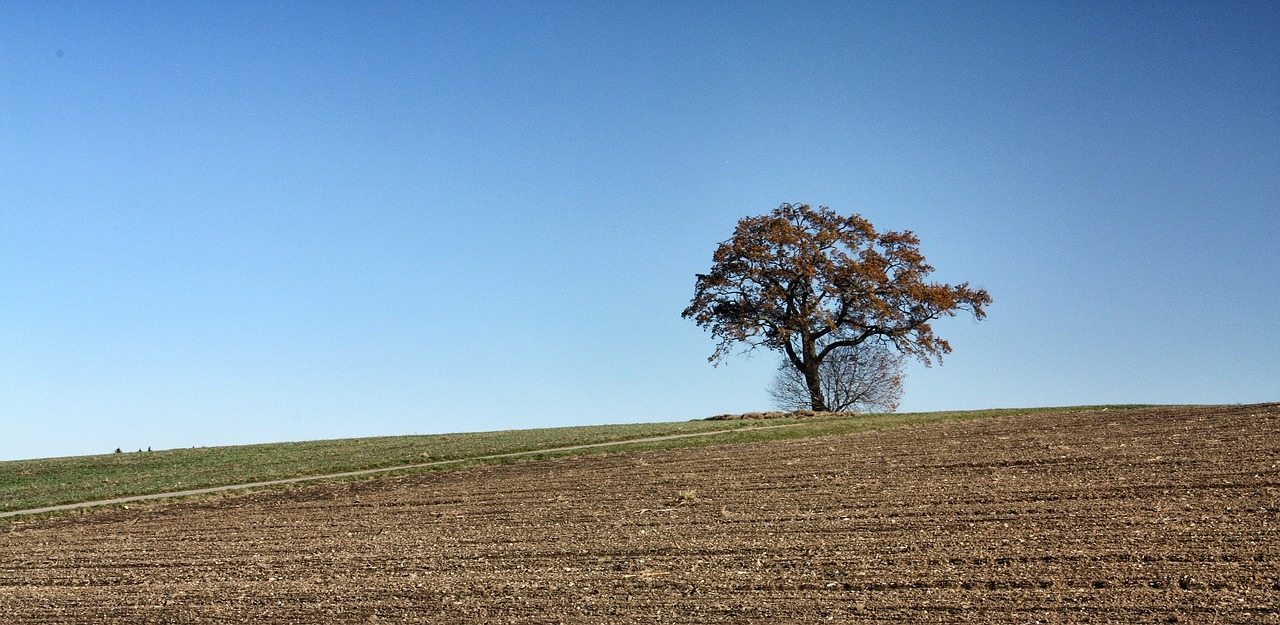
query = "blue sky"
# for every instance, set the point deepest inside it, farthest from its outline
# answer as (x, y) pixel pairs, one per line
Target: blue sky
(227, 223)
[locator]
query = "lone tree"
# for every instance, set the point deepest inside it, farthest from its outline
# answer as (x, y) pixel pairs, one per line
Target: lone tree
(864, 378)
(808, 282)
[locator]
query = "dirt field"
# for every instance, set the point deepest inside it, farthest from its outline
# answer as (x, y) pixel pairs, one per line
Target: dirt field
(1148, 515)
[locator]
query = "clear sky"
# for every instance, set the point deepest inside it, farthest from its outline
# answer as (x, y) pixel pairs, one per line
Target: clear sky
(226, 223)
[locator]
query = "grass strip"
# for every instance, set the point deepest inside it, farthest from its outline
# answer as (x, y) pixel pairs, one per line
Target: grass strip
(29, 484)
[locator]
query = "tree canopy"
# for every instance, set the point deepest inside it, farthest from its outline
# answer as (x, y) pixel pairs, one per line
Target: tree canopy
(808, 282)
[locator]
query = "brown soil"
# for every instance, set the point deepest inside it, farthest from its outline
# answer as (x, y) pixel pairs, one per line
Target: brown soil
(1143, 515)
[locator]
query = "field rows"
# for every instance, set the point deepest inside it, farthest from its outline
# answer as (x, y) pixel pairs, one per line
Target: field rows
(1136, 515)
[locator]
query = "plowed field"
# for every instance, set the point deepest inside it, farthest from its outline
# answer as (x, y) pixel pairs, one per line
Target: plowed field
(1124, 516)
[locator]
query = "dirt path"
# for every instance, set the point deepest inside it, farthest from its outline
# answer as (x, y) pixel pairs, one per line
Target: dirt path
(331, 476)
(1157, 515)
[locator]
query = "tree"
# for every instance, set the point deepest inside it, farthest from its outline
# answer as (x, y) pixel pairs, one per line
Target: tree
(809, 282)
(864, 378)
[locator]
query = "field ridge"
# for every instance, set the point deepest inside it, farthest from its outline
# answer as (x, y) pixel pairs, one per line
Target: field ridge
(52, 482)
(374, 471)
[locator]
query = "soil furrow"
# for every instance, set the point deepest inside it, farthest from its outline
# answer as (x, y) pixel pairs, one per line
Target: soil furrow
(1151, 515)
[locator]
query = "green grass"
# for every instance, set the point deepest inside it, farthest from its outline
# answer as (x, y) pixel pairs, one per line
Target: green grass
(26, 484)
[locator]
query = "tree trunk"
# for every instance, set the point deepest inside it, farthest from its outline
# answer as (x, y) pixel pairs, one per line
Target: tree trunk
(817, 402)
(808, 364)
